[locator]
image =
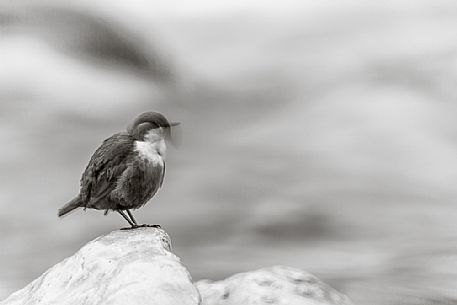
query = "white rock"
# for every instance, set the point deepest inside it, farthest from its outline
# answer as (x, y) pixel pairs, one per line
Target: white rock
(276, 285)
(133, 267)
(136, 267)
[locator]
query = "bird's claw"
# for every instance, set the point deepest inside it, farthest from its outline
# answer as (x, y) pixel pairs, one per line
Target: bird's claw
(142, 226)
(149, 226)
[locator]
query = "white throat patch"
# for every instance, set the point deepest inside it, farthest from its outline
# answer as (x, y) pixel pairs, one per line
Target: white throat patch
(151, 151)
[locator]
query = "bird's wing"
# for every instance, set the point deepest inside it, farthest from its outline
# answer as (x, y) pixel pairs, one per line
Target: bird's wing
(107, 164)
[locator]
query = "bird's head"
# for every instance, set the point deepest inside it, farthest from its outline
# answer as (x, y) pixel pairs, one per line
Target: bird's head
(151, 127)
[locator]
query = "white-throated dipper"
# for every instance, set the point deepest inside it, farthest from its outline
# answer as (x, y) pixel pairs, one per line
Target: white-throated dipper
(127, 170)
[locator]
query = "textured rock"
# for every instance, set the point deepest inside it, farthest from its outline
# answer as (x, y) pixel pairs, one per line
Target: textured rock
(270, 286)
(123, 267)
(136, 267)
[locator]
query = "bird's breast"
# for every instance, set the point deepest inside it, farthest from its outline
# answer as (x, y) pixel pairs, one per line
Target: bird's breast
(151, 152)
(142, 179)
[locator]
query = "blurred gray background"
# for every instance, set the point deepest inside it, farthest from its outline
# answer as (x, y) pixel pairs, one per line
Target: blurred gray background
(314, 134)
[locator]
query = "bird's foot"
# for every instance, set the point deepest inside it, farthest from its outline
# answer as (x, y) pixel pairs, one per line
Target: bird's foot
(141, 226)
(149, 226)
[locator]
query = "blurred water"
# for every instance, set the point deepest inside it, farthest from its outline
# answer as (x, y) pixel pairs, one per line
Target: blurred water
(318, 136)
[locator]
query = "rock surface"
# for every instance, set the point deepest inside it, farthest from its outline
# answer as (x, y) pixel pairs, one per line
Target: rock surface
(276, 285)
(136, 267)
(123, 267)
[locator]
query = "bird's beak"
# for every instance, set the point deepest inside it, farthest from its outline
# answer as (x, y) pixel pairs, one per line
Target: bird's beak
(174, 140)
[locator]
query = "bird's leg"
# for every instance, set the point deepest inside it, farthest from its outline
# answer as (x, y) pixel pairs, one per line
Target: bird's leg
(140, 226)
(128, 219)
(131, 217)
(133, 222)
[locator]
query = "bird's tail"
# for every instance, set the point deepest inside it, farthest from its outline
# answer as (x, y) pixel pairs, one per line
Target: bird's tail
(74, 204)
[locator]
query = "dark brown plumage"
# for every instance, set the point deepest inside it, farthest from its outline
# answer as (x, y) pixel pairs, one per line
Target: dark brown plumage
(127, 170)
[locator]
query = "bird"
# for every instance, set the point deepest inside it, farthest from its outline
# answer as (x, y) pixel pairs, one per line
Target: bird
(126, 170)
